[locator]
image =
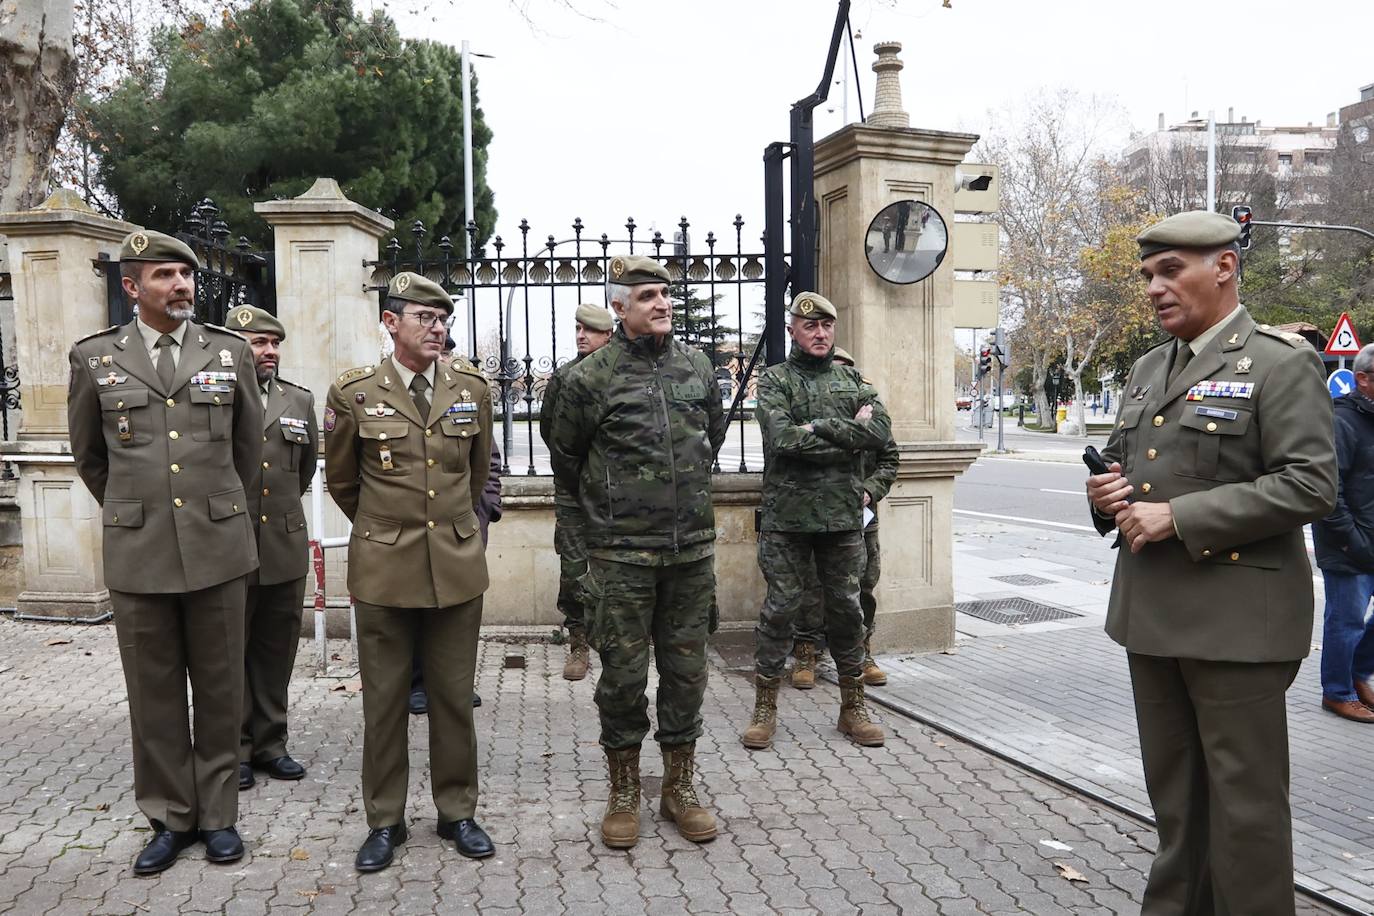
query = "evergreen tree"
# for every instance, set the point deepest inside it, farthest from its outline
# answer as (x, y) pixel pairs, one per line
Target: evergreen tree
(694, 324)
(280, 93)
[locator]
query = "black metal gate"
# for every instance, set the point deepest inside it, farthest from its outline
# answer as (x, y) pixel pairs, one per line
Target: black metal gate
(9, 374)
(230, 275)
(515, 307)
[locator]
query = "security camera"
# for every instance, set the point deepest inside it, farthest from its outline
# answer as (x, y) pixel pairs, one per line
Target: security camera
(964, 182)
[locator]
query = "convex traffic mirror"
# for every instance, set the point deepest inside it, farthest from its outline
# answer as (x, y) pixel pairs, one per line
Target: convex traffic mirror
(906, 241)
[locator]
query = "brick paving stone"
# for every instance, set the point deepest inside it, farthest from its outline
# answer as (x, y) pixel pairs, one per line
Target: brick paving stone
(925, 824)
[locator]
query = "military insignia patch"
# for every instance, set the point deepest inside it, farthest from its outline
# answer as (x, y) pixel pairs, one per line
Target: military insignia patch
(360, 397)
(329, 418)
(1244, 365)
(465, 395)
(226, 358)
(139, 243)
(806, 306)
(617, 267)
(106, 360)
(402, 283)
(93, 362)
(244, 317)
(1233, 338)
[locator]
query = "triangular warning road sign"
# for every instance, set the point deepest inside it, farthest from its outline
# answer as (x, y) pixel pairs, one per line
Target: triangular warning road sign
(1344, 341)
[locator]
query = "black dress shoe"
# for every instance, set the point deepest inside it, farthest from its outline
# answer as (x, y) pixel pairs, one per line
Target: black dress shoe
(377, 850)
(476, 699)
(246, 779)
(222, 845)
(283, 767)
(471, 840)
(419, 702)
(161, 853)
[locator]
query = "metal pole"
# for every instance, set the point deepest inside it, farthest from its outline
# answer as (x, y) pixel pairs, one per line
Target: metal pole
(979, 407)
(1211, 161)
(467, 180)
(775, 268)
(844, 85)
(1001, 446)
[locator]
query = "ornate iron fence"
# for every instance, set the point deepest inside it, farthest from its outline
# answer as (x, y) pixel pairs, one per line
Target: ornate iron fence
(9, 374)
(515, 309)
(231, 275)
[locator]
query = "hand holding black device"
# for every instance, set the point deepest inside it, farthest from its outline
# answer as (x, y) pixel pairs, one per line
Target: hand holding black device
(1096, 463)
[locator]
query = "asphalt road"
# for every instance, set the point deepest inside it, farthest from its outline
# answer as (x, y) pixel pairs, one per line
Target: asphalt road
(1017, 489)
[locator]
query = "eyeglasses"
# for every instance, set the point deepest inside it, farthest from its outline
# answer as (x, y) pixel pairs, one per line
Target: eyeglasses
(428, 319)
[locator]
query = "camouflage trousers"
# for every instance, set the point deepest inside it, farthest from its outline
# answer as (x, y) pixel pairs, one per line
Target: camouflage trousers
(810, 623)
(791, 562)
(629, 606)
(571, 547)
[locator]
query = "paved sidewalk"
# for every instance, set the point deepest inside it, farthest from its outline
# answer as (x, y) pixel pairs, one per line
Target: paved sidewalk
(926, 824)
(1056, 695)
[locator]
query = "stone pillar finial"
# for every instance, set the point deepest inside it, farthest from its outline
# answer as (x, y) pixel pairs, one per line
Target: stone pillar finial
(887, 107)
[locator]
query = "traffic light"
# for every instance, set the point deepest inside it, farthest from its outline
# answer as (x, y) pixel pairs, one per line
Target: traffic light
(984, 361)
(1242, 216)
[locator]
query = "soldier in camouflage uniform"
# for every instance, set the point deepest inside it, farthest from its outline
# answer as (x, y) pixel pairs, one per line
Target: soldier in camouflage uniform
(818, 420)
(634, 438)
(879, 471)
(593, 332)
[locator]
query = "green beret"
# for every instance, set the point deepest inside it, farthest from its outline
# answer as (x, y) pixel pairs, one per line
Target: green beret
(247, 319)
(594, 317)
(632, 270)
(812, 305)
(842, 354)
(414, 288)
(1191, 229)
(146, 245)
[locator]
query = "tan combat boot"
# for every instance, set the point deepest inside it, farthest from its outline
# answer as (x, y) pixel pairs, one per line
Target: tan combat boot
(764, 722)
(873, 676)
(804, 671)
(620, 826)
(854, 720)
(579, 656)
(679, 800)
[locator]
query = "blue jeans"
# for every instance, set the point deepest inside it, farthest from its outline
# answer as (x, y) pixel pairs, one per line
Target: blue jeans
(1347, 633)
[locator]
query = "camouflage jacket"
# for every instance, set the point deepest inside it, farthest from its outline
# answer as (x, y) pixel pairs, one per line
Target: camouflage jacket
(634, 437)
(547, 409)
(879, 471)
(814, 481)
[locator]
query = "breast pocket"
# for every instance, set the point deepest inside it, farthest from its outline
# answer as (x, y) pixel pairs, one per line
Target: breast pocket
(383, 447)
(1213, 443)
(296, 440)
(212, 412)
(125, 417)
(458, 443)
(1127, 420)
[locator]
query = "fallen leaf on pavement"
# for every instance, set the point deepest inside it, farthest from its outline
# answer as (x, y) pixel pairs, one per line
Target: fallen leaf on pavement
(349, 686)
(1069, 873)
(300, 855)
(57, 641)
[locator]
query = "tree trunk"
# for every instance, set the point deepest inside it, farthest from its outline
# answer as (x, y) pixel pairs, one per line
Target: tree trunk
(37, 79)
(1080, 417)
(1043, 408)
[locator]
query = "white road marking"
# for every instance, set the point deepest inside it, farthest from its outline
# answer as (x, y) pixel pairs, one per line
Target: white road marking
(1082, 493)
(1026, 521)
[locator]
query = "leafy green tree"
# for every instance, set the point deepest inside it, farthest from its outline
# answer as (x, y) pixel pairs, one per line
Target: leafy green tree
(282, 92)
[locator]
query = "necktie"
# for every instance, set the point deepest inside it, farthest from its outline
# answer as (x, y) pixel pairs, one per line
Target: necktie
(166, 368)
(417, 394)
(1182, 354)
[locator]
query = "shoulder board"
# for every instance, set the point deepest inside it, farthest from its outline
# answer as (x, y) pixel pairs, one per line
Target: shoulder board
(111, 329)
(220, 328)
(353, 375)
(466, 368)
(295, 386)
(1288, 337)
(868, 381)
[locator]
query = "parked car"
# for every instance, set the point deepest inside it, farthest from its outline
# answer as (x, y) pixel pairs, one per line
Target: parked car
(963, 402)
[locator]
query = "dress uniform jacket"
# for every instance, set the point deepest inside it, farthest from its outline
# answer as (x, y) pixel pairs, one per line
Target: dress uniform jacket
(1241, 445)
(290, 445)
(410, 484)
(174, 499)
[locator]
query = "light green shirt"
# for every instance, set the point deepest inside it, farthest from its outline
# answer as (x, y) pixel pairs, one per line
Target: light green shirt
(151, 337)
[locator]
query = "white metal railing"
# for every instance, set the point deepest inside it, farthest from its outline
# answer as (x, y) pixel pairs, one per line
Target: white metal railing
(318, 545)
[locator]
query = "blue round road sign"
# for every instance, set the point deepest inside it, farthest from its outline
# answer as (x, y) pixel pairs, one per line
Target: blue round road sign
(1340, 383)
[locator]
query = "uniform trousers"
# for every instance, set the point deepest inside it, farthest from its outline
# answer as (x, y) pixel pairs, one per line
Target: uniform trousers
(1214, 739)
(571, 547)
(787, 558)
(184, 780)
(630, 604)
(447, 637)
(810, 623)
(272, 622)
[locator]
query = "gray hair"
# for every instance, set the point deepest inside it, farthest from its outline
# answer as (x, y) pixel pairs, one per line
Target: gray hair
(1364, 360)
(1215, 253)
(618, 292)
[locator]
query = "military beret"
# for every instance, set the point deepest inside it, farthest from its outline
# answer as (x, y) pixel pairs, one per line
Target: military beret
(632, 269)
(594, 317)
(247, 319)
(843, 355)
(450, 343)
(1191, 229)
(812, 305)
(146, 245)
(414, 288)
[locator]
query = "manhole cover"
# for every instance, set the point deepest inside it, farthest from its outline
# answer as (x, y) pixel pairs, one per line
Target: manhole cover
(1024, 579)
(1013, 610)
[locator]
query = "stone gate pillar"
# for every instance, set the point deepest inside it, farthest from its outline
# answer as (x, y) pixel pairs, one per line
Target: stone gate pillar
(903, 339)
(58, 298)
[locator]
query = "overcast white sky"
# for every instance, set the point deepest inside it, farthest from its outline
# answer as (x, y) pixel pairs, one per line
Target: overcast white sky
(659, 108)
